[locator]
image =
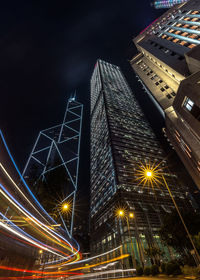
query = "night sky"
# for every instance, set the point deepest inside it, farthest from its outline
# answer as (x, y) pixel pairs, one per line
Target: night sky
(48, 49)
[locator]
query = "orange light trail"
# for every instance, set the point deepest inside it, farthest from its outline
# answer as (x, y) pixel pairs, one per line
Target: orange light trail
(93, 265)
(35, 271)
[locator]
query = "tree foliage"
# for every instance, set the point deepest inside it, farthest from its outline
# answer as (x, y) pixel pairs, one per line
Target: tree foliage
(173, 232)
(154, 253)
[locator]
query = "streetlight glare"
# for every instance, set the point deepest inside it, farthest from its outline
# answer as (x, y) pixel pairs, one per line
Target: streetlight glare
(65, 206)
(121, 213)
(149, 173)
(131, 215)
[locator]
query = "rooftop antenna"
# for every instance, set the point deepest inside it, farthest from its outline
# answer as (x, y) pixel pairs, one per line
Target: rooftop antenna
(73, 98)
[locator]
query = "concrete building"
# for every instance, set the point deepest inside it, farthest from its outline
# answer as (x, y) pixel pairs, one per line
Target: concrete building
(168, 64)
(122, 142)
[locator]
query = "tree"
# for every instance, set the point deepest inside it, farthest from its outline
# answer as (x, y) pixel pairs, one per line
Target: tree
(154, 253)
(173, 233)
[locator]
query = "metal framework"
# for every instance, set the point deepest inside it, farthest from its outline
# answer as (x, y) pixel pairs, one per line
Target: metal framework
(59, 146)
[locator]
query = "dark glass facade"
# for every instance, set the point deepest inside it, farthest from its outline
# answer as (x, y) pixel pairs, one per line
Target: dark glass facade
(121, 141)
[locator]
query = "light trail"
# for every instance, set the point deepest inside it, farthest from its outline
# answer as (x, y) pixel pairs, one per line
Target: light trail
(96, 264)
(35, 277)
(28, 239)
(28, 214)
(94, 257)
(84, 260)
(12, 181)
(2, 267)
(21, 177)
(35, 224)
(23, 232)
(95, 274)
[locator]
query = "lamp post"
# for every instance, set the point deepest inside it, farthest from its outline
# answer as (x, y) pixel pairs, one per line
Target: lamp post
(121, 213)
(150, 176)
(63, 208)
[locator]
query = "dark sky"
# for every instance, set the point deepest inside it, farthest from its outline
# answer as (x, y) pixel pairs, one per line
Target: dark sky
(48, 49)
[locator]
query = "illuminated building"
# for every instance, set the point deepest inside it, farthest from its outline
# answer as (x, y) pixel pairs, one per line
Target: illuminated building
(52, 167)
(168, 65)
(162, 4)
(122, 139)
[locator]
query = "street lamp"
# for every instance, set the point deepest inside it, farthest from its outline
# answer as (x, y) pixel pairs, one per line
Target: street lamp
(65, 207)
(153, 175)
(121, 213)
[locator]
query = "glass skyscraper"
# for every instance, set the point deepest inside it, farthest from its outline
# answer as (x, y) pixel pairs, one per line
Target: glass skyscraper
(121, 142)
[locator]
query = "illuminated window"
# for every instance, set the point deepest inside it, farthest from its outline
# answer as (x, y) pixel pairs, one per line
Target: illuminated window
(169, 38)
(194, 19)
(176, 40)
(192, 108)
(195, 12)
(183, 43)
(184, 34)
(194, 27)
(193, 36)
(192, 46)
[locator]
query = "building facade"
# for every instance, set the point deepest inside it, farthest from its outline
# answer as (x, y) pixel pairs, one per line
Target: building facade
(168, 64)
(166, 4)
(122, 142)
(53, 165)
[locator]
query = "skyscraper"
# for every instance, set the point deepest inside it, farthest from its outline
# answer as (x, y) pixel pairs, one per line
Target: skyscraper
(121, 142)
(166, 4)
(168, 64)
(53, 165)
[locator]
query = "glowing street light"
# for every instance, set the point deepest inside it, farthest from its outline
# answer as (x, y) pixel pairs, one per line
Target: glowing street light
(151, 174)
(65, 206)
(123, 213)
(131, 215)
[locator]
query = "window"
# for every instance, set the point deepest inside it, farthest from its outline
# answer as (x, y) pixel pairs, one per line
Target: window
(184, 34)
(183, 43)
(194, 19)
(169, 96)
(176, 40)
(192, 46)
(195, 12)
(190, 106)
(162, 89)
(181, 57)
